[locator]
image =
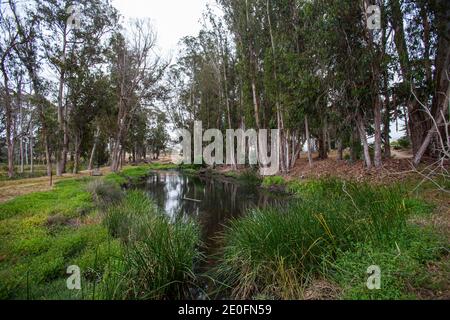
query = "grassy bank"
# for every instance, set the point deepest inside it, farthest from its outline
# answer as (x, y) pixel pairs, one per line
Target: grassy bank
(318, 246)
(77, 223)
(331, 235)
(158, 255)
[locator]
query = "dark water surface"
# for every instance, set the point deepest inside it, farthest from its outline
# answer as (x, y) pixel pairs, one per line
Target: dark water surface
(212, 202)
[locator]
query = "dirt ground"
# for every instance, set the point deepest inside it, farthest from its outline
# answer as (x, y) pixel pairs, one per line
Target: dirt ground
(11, 189)
(397, 168)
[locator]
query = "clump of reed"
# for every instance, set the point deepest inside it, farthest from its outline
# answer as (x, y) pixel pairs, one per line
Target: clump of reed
(159, 255)
(276, 251)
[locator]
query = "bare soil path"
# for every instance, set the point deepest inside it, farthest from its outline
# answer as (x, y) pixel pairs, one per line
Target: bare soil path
(14, 188)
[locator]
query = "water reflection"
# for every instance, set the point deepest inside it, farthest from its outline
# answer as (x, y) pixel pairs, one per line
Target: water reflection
(210, 201)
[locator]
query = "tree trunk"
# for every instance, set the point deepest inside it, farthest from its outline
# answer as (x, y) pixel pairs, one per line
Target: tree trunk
(440, 120)
(308, 140)
(76, 158)
(21, 135)
(31, 152)
(94, 147)
(62, 157)
(340, 150)
(9, 121)
(417, 122)
(363, 137)
(387, 121)
(378, 149)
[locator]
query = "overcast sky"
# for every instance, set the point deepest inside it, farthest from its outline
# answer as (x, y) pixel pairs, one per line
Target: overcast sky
(172, 19)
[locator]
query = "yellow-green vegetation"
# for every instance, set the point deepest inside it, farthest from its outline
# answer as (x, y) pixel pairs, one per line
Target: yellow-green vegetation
(271, 181)
(41, 234)
(334, 231)
(127, 249)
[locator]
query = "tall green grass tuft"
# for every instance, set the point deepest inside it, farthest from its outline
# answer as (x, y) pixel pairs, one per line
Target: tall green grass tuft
(276, 251)
(159, 255)
(105, 193)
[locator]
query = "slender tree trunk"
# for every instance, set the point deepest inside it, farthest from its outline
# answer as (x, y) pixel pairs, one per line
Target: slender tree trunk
(25, 147)
(387, 120)
(94, 147)
(61, 158)
(31, 152)
(76, 156)
(21, 135)
(323, 153)
(340, 150)
(363, 137)
(308, 140)
(378, 148)
(9, 118)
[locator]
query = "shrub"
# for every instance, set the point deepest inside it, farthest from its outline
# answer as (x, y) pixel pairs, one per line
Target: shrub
(105, 192)
(250, 177)
(401, 144)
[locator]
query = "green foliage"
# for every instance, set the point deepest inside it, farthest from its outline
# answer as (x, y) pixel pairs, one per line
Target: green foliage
(401, 144)
(273, 181)
(104, 192)
(159, 255)
(277, 251)
(42, 233)
(250, 177)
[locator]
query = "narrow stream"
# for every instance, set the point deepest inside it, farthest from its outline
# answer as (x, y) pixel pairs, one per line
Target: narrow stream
(210, 201)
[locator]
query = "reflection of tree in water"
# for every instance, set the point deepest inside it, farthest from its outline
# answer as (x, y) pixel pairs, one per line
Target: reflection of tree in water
(220, 201)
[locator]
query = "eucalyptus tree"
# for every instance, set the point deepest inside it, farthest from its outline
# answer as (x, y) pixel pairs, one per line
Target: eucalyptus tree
(72, 34)
(28, 53)
(136, 73)
(8, 42)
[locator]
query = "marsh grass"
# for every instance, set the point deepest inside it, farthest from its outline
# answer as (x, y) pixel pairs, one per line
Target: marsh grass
(136, 253)
(277, 251)
(105, 193)
(159, 255)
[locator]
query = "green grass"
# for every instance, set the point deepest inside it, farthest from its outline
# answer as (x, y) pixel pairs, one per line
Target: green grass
(334, 230)
(127, 249)
(43, 233)
(272, 181)
(159, 255)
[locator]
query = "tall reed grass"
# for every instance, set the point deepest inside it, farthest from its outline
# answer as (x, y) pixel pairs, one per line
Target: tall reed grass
(159, 255)
(276, 251)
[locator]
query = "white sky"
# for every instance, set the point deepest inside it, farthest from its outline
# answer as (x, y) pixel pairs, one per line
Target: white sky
(172, 19)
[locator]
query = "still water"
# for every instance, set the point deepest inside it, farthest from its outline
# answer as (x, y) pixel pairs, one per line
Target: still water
(212, 202)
